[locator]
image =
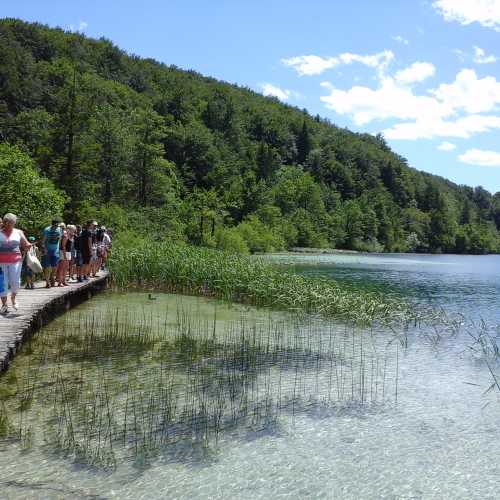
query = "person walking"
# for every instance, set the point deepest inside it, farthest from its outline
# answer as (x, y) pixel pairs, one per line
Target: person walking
(77, 253)
(106, 242)
(13, 244)
(28, 273)
(50, 250)
(62, 264)
(69, 250)
(86, 249)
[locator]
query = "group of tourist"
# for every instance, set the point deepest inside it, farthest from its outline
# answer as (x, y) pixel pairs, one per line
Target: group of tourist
(65, 254)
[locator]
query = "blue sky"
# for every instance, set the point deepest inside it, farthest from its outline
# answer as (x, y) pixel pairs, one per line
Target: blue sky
(425, 73)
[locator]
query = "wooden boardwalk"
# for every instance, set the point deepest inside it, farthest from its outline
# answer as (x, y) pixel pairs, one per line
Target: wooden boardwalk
(37, 307)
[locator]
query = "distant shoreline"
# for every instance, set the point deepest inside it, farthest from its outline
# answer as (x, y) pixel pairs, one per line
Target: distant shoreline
(329, 251)
(335, 251)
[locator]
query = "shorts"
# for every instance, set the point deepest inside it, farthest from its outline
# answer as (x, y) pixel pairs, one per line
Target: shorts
(86, 259)
(78, 258)
(26, 271)
(50, 260)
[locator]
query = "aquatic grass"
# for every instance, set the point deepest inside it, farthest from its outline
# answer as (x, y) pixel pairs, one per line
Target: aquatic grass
(254, 280)
(5, 424)
(192, 384)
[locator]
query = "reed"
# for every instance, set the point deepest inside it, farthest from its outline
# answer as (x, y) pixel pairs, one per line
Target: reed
(192, 270)
(162, 386)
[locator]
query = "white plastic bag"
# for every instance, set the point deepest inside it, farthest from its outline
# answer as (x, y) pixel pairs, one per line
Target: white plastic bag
(32, 261)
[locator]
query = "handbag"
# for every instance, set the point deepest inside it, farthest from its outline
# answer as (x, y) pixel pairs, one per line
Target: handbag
(32, 261)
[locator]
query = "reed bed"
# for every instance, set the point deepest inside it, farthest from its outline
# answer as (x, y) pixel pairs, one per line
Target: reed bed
(114, 386)
(485, 348)
(178, 268)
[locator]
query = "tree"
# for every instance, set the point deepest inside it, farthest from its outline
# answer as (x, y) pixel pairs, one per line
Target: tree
(24, 192)
(442, 225)
(154, 176)
(119, 133)
(114, 141)
(354, 224)
(268, 161)
(208, 210)
(495, 209)
(303, 144)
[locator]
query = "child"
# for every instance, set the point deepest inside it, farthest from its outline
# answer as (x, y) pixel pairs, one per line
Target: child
(27, 273)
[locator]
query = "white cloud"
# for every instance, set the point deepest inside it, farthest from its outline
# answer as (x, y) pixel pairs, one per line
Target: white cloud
(400, 39)
(427, 127)
(390, 100)
(450, 110)
(82, 26)
(484, 12)
(481, 157)
(480, 57)
(271, 90)
(311, 65)
(446, 146)
(315, 65)
(379, 61)
(417, 72)
(460, 54)
(469, 93)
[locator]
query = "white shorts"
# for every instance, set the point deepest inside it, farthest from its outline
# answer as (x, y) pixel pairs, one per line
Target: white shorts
(68, 255)
(11, 274)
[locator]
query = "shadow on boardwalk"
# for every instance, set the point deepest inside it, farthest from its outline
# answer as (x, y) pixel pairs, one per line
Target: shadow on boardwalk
(37, 307)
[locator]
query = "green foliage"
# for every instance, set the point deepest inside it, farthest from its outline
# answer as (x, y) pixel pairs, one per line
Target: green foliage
(230, 240)
(127, 138)
(24, 192)
(257, 236)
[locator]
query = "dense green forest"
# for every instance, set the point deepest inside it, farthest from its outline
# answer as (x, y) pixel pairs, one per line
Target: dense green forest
(90, 131)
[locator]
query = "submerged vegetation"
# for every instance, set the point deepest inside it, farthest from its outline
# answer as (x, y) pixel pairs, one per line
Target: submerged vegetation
(201, 271)
(91, 392)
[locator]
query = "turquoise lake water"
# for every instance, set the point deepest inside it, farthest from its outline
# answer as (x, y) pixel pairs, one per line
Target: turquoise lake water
(468, 284)
(351, 414)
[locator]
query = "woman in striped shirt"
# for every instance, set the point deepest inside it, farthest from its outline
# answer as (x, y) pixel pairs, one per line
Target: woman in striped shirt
(13, 244)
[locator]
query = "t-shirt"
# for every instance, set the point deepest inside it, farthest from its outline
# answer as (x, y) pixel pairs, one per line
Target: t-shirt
(77, 242)
(84, 241)
(52, 239)
(10, 246)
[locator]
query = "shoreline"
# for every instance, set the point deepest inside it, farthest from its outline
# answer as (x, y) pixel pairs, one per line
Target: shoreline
(335, 251)
(325, 251)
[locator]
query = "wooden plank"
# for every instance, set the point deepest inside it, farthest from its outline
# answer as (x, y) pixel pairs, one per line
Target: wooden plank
(37, 307)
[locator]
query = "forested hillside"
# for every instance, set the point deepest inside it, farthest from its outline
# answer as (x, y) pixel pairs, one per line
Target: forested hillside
(143, 145)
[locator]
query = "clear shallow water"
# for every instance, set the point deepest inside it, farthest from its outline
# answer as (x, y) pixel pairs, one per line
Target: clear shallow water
(437, 438)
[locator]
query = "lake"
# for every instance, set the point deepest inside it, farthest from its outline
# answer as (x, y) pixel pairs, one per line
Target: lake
(183, 397)
(468, 284)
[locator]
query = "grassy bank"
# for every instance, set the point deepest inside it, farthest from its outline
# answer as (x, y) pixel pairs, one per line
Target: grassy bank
(192, 270)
